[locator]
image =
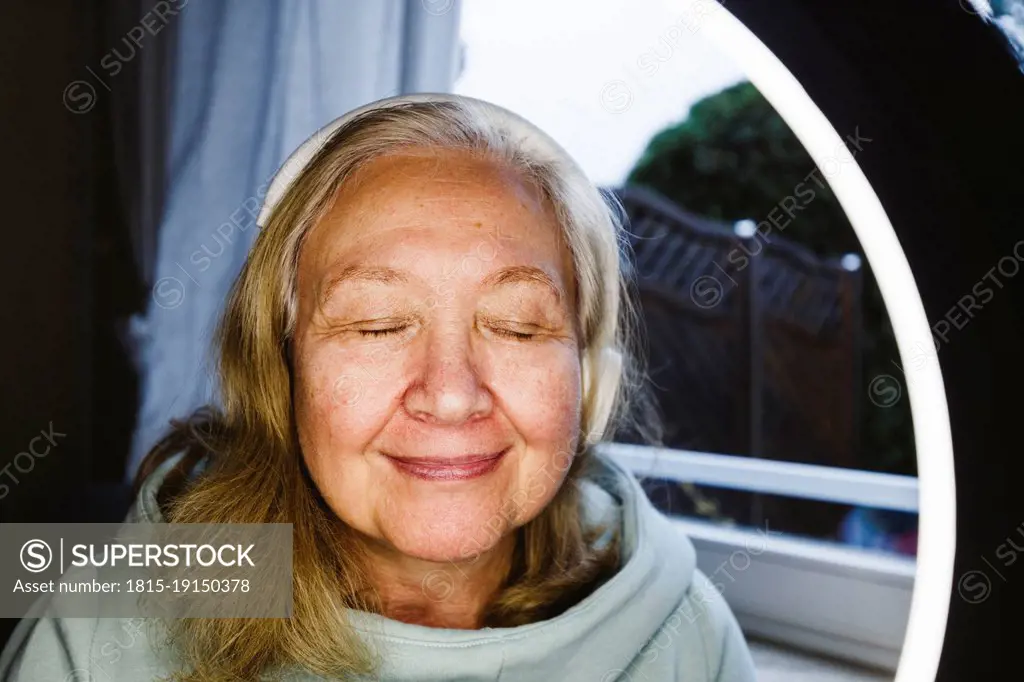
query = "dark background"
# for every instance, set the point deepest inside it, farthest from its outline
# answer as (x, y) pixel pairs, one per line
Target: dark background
(68, 271)
(940, 92)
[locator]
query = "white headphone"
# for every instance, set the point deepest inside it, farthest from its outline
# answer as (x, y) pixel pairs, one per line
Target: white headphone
(607, 386)
(609, 359)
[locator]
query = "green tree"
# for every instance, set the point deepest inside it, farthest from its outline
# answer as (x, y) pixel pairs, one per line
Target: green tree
(734, 158)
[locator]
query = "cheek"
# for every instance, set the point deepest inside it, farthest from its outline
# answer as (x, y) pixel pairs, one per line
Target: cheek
(340, 395)
(540, 389)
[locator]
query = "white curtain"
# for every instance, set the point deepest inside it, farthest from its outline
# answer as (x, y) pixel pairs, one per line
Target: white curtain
(247, 82)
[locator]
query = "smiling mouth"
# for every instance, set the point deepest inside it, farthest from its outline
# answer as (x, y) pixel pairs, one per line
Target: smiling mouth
(448, 468)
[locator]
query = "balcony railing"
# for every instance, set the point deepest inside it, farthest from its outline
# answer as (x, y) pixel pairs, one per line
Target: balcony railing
(792, 479)
(822, 597)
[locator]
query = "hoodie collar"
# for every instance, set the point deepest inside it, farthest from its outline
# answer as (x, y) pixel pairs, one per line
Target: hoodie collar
(603, 632)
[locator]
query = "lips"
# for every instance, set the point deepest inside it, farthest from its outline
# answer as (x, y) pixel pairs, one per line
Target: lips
(458, 468)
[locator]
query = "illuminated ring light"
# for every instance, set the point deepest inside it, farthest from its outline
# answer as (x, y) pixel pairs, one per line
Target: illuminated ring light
(929, 609)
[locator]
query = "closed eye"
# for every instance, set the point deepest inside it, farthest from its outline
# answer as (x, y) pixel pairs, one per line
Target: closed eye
(380, 332)
(512, 334)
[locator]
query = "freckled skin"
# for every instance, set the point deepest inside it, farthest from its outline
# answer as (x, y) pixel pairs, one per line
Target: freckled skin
(449, 381)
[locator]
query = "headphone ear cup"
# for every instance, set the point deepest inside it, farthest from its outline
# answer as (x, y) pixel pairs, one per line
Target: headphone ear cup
(585, 376)
(608, 379)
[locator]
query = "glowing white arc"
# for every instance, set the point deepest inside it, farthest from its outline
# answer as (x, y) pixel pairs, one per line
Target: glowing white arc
(929, 608)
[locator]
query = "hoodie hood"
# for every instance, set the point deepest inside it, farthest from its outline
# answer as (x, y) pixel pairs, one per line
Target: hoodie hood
(601, 634)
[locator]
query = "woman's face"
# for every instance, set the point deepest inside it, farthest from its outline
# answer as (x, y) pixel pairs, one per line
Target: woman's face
(436, 367)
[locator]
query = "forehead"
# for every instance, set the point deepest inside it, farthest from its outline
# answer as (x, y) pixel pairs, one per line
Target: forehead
(437, 173)
(424, 200)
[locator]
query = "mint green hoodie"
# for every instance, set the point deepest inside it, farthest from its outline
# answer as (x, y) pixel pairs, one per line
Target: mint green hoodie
(659, 619)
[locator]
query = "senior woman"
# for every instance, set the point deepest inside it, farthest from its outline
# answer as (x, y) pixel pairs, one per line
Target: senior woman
(428, 337)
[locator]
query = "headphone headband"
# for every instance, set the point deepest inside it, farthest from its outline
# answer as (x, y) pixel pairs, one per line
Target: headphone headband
(298, 160)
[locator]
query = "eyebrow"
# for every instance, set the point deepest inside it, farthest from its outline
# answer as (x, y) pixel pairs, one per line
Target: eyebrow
(365, 273)
(385, 275)
(524, 273)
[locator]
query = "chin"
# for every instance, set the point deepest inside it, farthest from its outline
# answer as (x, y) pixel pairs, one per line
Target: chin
(448, 528)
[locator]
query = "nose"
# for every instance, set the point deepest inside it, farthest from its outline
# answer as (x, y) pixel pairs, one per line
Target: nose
(449, 389)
